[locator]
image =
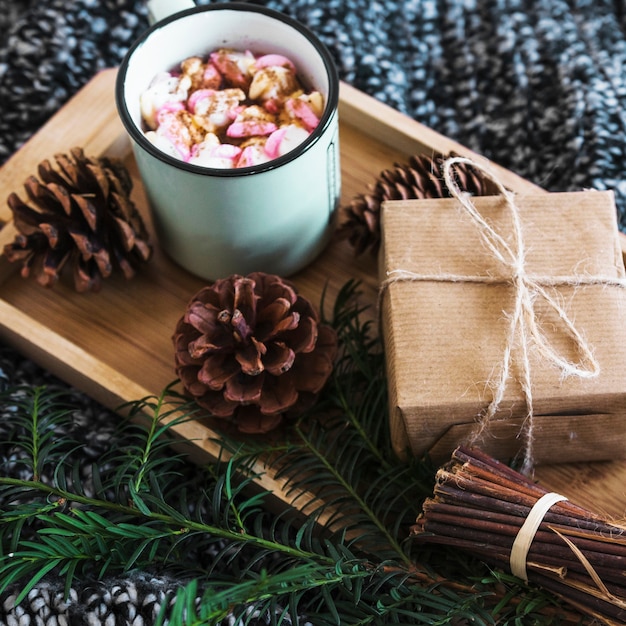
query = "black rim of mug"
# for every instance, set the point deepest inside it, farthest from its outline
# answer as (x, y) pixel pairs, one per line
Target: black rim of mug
(329, 109)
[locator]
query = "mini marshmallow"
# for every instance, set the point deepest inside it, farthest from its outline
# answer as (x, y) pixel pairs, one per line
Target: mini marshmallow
(220, 107)
(163, 88)
(172, 128)
(284, 140)
(273, 83)
(252, 155)
(277, 60)
(163, 144)
(250, 122)
(234, 66)
(217, 155)
(300, 110)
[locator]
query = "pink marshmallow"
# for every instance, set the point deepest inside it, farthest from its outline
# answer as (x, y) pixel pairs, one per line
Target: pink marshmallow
(252, 155)
(284, 140)
(218, 156)
(197, 96)
(180, 146)
(301, 110)
(272, 145)
(211, 79)
(226, 151)
(170, 107)
(173, 129)
(235, 111)
(270, 60)
(233, 66)
(250, 129)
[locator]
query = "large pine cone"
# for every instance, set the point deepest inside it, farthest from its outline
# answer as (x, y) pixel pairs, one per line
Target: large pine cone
(81, 217)
(250, 349)
(420, 178)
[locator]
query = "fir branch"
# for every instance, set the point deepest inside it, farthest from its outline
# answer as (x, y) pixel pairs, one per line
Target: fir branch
(261, 593)
(83, 531)
(36, 418)
(339, 586)
(148, 511)
(79, 529)
(347, 494)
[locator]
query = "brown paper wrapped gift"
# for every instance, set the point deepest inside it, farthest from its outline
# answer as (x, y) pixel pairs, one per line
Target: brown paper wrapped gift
(446, 307)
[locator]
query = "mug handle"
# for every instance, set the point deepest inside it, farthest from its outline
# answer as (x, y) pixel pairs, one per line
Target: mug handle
(159, 9)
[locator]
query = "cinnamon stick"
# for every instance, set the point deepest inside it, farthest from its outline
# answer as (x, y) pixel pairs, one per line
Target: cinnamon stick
(480, 505)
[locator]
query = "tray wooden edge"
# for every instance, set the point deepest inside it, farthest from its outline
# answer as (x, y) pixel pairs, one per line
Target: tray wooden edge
(113, 390)
(110, 388)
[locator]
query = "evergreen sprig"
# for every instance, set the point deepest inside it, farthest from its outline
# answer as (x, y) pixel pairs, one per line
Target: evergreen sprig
(348, 562)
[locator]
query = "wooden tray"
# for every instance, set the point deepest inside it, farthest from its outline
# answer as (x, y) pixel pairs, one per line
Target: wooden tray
(116, 345)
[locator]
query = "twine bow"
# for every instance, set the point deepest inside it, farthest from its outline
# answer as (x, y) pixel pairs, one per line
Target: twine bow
(523, 325)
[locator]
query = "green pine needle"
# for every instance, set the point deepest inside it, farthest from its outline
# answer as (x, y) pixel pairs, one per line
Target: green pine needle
(348, 562)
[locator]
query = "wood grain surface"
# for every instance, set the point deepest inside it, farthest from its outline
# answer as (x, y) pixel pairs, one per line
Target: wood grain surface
(116, 345)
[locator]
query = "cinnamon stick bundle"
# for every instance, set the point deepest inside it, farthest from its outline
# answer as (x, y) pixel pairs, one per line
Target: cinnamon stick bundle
(484, 507)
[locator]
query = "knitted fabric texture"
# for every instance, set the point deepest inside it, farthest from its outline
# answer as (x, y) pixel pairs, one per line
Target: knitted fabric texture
(538, 86)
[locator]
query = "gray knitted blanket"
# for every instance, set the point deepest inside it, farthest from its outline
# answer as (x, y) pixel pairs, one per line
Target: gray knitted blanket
(538, 86)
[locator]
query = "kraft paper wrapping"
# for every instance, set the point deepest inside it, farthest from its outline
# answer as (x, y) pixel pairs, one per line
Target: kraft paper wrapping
(444, 341)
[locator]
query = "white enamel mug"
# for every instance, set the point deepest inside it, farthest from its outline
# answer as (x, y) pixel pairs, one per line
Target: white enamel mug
(275, 217)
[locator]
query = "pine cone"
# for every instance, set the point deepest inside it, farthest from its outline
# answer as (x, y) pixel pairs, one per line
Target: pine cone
(250, 349)
(81, 217)
(421, 177)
